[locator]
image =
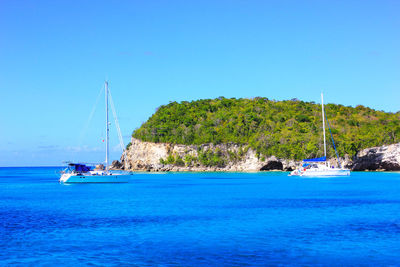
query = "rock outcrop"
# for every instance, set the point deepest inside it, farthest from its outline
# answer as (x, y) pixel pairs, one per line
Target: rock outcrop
(100, 167)
(384, 158)
(147, 156)
(116, 165)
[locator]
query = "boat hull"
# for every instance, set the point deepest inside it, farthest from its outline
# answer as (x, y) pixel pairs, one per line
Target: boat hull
(322, 173)
(326, 173)
(84, 179)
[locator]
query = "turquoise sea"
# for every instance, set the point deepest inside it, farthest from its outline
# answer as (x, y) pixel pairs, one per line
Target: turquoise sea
(192, 219)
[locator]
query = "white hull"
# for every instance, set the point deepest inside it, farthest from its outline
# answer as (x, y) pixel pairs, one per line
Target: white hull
(321, 173)
(111, 178)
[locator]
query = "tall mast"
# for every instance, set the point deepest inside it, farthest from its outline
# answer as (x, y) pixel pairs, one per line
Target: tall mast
(107, 130)
(323, 122)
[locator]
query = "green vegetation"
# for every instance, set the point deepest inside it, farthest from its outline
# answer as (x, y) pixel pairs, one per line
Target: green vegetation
(288, 129)
(128, 145)
(178, 161)
(212, 158)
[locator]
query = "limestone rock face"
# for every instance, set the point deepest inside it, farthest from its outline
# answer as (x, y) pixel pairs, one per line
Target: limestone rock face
(385, 158)
(145, 156)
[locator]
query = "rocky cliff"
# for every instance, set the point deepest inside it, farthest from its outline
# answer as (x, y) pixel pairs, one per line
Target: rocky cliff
(384, 158)
(208, 157)
(147, 156)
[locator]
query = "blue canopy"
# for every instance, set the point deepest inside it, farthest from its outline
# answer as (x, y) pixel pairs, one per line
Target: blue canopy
(315, 160)
(80, 167)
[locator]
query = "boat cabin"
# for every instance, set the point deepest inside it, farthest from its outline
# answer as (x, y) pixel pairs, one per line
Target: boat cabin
(79, 167)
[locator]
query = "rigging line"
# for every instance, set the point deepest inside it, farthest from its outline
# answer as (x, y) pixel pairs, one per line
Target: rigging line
(83, 133)
(121, 141)
(337, 155)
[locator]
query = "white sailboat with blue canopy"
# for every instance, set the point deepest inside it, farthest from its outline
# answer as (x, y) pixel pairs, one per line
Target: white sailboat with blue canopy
(84, 173)
(320, 167)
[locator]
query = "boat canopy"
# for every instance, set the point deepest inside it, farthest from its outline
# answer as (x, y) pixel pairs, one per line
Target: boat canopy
(80, 167)
(315, 160)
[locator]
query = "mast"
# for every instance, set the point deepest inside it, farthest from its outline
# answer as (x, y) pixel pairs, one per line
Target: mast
(323, 122)
(107, 129)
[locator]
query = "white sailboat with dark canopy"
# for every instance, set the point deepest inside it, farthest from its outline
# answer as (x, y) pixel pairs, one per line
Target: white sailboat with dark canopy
(320, 167)
(84, 173)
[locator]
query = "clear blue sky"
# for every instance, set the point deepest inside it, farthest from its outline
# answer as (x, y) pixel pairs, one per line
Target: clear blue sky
(55, 56)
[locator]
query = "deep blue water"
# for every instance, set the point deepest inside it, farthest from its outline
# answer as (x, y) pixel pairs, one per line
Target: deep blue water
(188, 219)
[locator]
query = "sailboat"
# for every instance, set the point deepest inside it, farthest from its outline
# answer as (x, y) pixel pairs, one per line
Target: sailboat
(320, 167)
(83, 173)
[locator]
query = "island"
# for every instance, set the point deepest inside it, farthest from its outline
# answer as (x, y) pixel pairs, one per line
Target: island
(259, 134)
